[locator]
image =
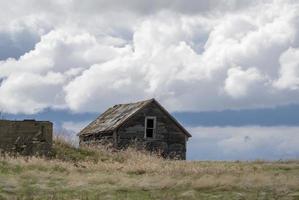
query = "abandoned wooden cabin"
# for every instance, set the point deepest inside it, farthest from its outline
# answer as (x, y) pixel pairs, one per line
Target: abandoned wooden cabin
(27, 137)
(144, 123)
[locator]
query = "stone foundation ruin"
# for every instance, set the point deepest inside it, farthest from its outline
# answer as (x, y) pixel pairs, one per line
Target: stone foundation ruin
(27, 137)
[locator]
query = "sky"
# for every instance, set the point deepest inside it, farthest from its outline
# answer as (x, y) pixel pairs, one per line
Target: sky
(227, 69)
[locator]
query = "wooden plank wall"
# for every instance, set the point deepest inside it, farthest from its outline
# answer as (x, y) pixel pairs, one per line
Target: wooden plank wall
(168, 139)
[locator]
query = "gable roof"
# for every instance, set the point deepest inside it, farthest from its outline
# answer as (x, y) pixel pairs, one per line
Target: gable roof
(117, 115)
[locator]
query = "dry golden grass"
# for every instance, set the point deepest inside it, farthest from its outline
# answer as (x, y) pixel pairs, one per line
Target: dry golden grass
(99, 173)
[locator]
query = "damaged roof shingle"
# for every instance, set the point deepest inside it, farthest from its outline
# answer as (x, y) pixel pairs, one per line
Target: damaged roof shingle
(113, 117)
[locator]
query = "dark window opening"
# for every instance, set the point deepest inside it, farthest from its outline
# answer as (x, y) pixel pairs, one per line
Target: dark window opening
(150, 125)
(149, 133)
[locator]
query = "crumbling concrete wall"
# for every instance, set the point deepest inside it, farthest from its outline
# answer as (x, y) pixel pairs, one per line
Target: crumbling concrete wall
(28, 137)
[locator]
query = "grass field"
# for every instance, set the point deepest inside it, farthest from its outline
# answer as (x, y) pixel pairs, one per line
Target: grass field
(100, 174)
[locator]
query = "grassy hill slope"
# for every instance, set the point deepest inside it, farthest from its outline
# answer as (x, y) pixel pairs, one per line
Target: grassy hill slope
(100, 174)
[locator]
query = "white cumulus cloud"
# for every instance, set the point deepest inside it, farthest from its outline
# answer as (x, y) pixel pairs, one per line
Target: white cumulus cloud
(289, 70)
(241, 83)
(189, 55)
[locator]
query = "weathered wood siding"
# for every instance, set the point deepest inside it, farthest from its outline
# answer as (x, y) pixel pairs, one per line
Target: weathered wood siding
(97, 139)
(168, 138)
(26, 137)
